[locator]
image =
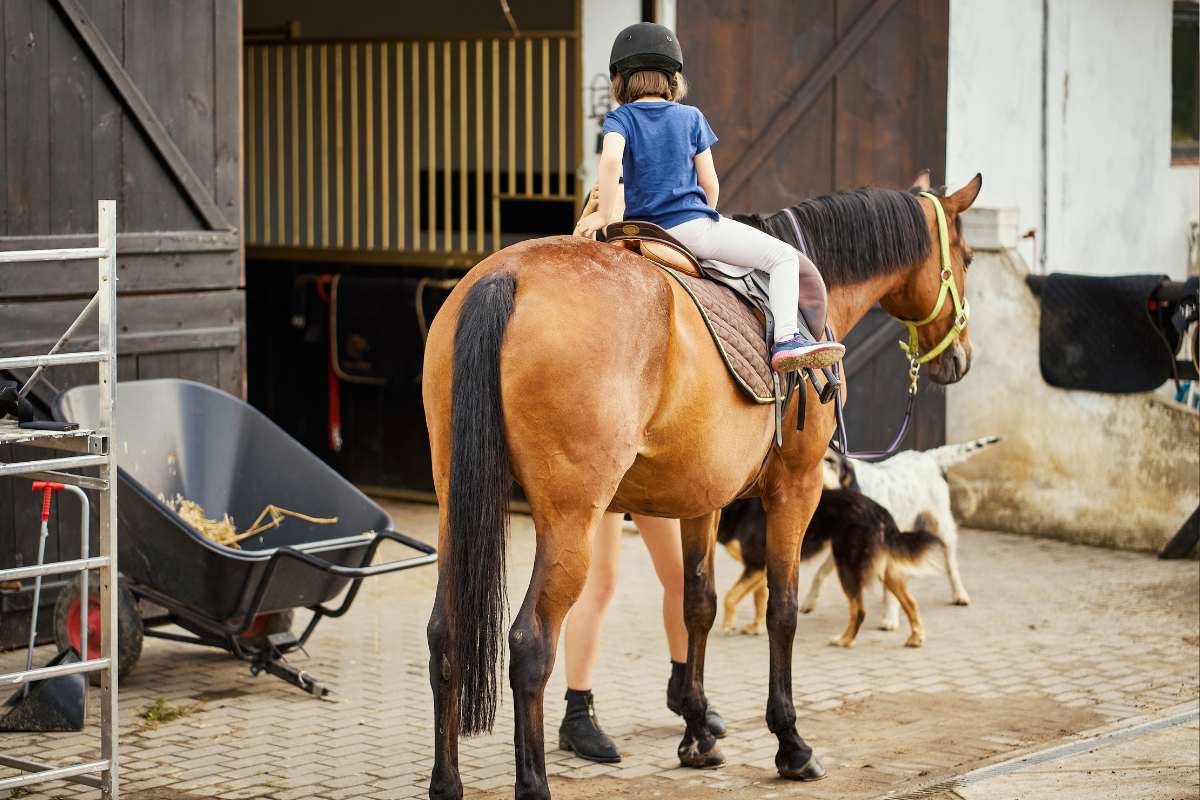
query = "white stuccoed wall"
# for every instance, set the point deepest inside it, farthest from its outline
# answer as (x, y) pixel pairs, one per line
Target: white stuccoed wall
(601, 21)
(1114, 203)
(1113, 470)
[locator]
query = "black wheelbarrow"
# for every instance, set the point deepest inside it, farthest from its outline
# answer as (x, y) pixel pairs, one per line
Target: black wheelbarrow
(180, 438)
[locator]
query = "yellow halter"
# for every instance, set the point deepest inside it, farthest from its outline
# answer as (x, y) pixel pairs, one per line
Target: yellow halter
(962, 309)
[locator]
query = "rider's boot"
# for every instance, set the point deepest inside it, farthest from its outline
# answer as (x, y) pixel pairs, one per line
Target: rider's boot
(581, 733)
(797, 352)
(675, 687)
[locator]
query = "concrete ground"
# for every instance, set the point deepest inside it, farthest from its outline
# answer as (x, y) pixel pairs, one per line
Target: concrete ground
(1062, 643)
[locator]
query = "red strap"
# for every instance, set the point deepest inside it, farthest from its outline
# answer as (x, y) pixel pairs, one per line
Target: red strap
(47, 488)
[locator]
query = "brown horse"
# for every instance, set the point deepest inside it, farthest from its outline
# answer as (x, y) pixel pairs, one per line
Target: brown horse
(588, 375)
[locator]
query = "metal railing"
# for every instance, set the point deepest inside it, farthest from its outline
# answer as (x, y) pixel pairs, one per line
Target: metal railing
(405, 145)
(95, 450)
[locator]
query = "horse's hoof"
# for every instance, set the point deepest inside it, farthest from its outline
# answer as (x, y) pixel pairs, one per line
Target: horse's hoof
(754, 629)
(811, 771)
(962, 600)
(690, 756)
(916, 640)
(838, 641)
(445, 790)
(889, 625)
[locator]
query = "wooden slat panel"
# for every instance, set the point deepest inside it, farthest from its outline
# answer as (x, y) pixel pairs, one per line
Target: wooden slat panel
(480, 130)
(385, 150)
(149, 323)
(339, 147)
(310, 233)
(146, 272)
(324, 125)
(227, 136)
(3, 181)
(401, 124)
(463, 164)
(354, 110)
(164, 93)
(416, 146)
(252, 87)
(264, 118)
(447, 158)
(369, 135)
(431, 118)
(295, 138)
(72, 207)
(108, 122)
(26, 77)
(277, 89)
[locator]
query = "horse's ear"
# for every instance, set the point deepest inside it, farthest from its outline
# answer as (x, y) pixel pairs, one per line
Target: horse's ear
(961, 200)
(921, 183)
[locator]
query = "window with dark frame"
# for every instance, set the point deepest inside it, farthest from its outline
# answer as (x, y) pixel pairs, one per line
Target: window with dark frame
(1185, 84)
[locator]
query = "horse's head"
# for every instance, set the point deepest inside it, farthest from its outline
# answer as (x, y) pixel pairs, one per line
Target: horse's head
(927, 298)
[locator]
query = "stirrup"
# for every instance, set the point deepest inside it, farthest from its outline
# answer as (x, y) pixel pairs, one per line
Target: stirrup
(833, 384)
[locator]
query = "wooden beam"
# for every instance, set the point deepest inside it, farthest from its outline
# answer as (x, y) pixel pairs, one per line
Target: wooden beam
(799, 99)
(121, 82)
(128, 243)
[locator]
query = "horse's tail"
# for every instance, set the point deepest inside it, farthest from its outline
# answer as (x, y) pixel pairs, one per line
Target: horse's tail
(480, 487)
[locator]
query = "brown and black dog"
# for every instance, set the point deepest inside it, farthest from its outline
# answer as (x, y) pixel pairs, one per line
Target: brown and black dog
(866, 545)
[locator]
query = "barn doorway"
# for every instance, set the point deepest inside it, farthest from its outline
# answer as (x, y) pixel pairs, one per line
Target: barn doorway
(388, 148)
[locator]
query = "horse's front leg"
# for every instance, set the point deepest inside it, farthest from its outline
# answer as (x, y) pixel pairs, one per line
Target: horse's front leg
(788, 516)
(698, 748)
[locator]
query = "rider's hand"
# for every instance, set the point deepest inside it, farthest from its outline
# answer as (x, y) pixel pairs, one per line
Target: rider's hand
(588, 225)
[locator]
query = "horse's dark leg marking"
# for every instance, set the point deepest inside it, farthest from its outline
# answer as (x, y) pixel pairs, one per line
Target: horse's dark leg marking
(559, 572)
(786, 522)
(444, 784)
(698, 748)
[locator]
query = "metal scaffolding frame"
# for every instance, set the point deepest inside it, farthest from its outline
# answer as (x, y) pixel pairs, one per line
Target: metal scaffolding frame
(84, 448)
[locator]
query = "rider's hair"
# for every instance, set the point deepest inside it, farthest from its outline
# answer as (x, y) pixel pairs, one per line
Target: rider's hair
(647, 83)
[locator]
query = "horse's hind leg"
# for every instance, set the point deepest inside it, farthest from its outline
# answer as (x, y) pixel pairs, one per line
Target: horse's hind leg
(787, 520)
(699, 747)
(444, 783)
(559, 571)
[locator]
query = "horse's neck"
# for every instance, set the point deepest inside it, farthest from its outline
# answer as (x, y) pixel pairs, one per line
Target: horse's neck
(850, 303)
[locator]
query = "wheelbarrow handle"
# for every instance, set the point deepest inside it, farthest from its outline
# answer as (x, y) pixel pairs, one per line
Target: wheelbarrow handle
(428, 556)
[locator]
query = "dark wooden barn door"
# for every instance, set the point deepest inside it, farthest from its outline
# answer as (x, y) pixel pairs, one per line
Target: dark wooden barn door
(812, 96)
(136, 100)
(139, 101)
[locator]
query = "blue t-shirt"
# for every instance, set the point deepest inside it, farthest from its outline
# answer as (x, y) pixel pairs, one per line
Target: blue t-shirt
(661, 139)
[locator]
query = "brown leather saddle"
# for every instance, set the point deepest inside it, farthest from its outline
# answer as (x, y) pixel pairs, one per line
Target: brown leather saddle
(737, 330)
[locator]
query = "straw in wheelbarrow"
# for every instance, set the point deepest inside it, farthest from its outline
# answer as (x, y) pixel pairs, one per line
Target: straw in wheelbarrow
(224, 531)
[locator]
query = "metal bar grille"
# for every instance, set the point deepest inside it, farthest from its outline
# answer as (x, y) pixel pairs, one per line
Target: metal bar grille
(406, 145)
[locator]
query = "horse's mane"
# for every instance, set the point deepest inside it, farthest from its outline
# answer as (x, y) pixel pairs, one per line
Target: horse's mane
(853, 236)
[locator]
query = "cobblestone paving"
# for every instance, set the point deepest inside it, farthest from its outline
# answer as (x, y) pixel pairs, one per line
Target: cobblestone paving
(1059, 639)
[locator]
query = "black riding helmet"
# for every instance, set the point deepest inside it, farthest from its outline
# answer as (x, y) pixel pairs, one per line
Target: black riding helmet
(646, 45)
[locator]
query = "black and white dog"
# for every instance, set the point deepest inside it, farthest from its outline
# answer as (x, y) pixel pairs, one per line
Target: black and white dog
(908, 485)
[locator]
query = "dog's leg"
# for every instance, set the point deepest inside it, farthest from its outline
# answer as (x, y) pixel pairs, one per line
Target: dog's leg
(894, 582)
(745, 584)
(814, 589)
(759, 626)
(857, 615)
(891, 611)
(961, 598)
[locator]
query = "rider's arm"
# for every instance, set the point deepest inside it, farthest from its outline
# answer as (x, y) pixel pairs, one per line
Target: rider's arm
(611, 209)
(706, 176)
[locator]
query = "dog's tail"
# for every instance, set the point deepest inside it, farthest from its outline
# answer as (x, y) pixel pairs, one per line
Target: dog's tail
(951, 454)
(912, 550)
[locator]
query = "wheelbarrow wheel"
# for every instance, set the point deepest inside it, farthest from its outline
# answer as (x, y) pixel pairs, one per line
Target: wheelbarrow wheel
(68, 614)
(265, 625)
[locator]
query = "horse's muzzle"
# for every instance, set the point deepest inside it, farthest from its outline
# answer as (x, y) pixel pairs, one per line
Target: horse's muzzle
(952, 365)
